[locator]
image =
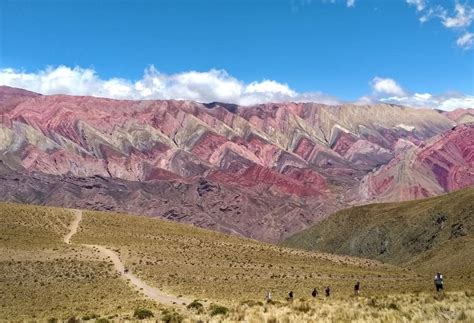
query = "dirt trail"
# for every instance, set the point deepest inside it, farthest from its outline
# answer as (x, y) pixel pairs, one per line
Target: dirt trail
(73, 226)
(147, 290)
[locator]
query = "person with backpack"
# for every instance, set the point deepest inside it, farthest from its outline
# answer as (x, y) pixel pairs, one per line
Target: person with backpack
(439, 283)
(290, 296)
(357, 289)
(314, 293)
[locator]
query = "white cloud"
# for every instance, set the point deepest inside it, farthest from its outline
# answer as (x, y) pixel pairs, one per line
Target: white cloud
(268, 86)
(465, 41)
(213, 85)
(460, 20)
(463, 18)
(350, 3)
(386, 86)
(419, 4)
(447, 102)
(387, 90)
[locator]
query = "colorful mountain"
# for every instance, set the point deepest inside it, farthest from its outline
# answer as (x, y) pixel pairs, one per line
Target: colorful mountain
(262, 171)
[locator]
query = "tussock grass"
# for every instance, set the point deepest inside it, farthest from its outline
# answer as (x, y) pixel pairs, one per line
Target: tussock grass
(391, 308)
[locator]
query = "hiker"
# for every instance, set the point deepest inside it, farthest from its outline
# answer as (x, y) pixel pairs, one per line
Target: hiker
(268, 297)
(439, 283)
(290, 296)
(357, 288)
(314, 293)
(328, 291)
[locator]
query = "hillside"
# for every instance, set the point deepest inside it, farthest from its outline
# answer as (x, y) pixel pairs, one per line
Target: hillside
(264, 171)
(434, 234)
(80, 257)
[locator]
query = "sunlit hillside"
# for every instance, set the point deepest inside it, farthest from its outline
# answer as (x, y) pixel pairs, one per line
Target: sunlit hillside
(228, 275)
(430, 235)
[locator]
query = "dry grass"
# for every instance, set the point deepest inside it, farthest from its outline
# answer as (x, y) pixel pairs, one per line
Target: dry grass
(216, 267)
(41, 277)
(392, 308)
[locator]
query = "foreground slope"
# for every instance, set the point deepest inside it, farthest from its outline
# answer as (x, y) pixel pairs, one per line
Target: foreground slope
(434, 234)
(59, 263)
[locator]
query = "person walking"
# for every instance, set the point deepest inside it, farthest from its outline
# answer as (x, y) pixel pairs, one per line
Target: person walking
(314, 293)
(357, 289)
(290, 296)
(268, 297)
(328, 291)
(439, 282)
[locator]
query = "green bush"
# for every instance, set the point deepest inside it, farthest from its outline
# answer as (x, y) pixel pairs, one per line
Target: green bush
(218, 310)
(142, 313)
(171, 317)
(195, 305)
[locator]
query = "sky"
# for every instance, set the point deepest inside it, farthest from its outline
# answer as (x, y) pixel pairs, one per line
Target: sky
(412, 52)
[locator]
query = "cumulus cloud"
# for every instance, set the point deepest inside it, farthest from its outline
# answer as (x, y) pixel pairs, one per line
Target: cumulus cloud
(386, 86)
(208, 86)
(387, 90)
(350, 3)
(466, 40)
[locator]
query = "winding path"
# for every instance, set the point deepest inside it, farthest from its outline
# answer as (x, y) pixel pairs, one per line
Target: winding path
(147, 290)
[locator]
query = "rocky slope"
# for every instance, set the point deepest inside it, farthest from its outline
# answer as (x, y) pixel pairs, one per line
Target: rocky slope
(435, 234)
(262, 171)
(442, 164)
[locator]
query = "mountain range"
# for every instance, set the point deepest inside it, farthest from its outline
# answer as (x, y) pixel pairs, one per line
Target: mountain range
(264, 171)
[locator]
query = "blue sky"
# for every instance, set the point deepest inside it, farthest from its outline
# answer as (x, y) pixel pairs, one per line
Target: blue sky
(329, 47)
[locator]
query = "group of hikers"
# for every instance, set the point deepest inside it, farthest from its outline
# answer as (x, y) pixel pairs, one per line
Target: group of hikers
(438, 280)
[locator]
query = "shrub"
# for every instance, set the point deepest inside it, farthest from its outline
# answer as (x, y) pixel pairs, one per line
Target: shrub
(393, 306)
(90, 317)
(72, 319)
(302, 307)
(195, 305)
(218, 310)
(373, 303)
(53, 320)
(142, 313)
(102, 320)
(171, 317)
